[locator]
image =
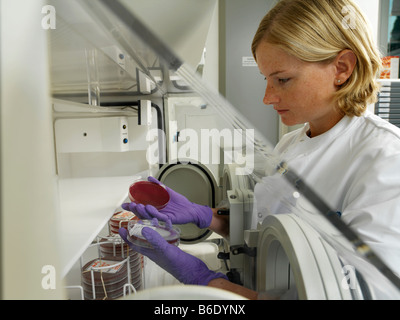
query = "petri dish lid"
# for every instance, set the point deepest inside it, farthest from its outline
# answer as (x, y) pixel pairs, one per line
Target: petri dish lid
(170, 234)
(146, 192)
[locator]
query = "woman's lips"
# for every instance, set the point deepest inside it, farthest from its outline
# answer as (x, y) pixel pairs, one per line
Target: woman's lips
(281, 111)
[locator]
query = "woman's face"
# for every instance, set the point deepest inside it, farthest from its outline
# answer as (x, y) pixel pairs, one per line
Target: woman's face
(299, 91)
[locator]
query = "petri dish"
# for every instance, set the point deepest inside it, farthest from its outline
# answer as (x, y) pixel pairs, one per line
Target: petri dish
(170, 234)
(120, 219)
(146, 192)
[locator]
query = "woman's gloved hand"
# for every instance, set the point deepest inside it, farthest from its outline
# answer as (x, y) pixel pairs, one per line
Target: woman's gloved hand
(179, 210)
(183, 266)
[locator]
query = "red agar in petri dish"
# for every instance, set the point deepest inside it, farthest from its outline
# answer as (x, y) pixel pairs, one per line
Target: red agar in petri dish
(146, 192)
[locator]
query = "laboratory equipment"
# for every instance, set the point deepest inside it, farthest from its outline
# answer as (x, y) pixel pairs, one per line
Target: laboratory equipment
(108, 69)
(194, 114)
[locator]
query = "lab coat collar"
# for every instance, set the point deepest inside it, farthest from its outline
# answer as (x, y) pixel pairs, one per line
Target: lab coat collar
(338, 129)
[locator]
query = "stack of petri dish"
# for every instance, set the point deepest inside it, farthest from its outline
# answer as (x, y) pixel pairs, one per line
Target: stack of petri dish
(104, 278)
(120, 219)
(114, 247)
(116, 270)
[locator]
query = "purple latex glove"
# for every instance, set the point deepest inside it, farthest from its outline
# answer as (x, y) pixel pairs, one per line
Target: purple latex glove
(179, 210)
(183, 266)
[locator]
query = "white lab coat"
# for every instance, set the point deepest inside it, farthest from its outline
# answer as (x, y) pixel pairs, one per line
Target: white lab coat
(355, 167)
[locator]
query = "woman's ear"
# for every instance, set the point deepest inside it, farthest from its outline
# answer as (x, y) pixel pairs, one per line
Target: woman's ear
(345, 63)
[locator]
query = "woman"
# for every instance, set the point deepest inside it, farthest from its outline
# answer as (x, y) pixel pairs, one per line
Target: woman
(320, 64)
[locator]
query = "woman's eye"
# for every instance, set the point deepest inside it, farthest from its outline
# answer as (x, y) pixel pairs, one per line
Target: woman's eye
(283, 80)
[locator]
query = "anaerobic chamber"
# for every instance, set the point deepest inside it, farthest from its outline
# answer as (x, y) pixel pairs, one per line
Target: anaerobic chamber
(126, 104)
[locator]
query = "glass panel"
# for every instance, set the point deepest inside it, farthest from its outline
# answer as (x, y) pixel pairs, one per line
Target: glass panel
(394, 28)
(165, 74)
(88, 63)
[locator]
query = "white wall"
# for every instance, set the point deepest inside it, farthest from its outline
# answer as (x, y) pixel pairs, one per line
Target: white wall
(371, 10)
(29, 212)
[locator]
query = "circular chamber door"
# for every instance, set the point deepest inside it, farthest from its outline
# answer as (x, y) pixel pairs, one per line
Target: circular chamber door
(293, 258)
(197, 184)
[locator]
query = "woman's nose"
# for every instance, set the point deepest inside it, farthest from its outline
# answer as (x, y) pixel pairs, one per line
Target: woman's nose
(270, 96)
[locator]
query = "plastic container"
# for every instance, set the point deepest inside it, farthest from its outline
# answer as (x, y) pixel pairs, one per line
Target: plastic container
(146, 192)
(170, 234)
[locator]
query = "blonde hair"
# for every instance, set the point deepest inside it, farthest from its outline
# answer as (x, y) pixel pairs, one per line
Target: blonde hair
(316, 31)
